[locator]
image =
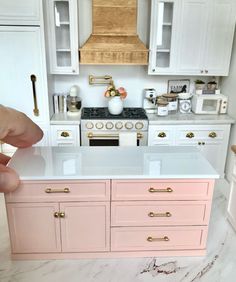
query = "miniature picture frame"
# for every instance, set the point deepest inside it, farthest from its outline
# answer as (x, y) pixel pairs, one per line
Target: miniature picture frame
(178, 86)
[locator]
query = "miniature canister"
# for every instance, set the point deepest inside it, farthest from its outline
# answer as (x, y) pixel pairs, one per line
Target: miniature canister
(162, 108)
(172, 100)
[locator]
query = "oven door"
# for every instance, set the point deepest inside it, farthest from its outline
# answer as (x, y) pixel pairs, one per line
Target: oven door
(108, 138)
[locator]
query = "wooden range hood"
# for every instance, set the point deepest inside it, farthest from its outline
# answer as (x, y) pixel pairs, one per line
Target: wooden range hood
(114, 38)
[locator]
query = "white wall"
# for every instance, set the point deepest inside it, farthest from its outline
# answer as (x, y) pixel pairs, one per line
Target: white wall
(228, 87)
(133, 78)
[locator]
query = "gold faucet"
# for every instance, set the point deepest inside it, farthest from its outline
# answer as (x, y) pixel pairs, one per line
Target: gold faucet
(101, 80)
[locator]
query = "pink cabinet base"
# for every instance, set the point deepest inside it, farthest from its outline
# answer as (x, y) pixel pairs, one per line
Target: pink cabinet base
(109, 218)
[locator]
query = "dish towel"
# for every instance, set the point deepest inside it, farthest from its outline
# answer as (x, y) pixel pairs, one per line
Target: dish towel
(127, 139)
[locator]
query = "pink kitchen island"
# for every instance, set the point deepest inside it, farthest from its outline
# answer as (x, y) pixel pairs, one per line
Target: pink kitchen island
(91, 202)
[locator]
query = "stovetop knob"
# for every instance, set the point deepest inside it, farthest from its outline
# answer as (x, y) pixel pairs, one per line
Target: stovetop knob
(99, 125)
(128, 125)
(139, 125)
(119, 125)
(89, 125)
(109, 125)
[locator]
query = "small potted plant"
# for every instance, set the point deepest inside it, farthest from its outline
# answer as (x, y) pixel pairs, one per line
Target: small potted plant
(212, 85)
(199, 84)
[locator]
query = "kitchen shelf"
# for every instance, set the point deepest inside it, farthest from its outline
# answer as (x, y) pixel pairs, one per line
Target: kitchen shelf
(63, 50)
(64, 23)
(163, 50)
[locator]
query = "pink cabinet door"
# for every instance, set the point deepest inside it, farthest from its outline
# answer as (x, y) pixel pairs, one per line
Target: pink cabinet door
(85, 227)
(33, 227)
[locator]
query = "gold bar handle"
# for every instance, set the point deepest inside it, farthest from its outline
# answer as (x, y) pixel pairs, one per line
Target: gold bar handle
(152, 239)
(33, 80)
(50, 190)
(212, 134)
(153, 190)
(165, 214)
(91, 135)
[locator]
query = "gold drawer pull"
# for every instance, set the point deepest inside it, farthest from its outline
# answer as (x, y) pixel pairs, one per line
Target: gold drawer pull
(59, 214)
(162, 135)
(65, 134)
(65, 190)
(190, 135)
(212, 134)
(165, 214)
(152, 239)
(153, 190)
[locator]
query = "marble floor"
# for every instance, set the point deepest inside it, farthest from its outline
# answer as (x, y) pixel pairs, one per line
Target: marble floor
(218, 266)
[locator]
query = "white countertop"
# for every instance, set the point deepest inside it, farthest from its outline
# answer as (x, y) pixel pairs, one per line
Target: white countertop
(64, 118)
(190, 118)
(57, 163)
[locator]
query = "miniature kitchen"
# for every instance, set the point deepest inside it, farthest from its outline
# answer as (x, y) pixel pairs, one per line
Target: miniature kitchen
(134, 179)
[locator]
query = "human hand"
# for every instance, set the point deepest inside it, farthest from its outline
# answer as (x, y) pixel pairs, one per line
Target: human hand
(20, 131)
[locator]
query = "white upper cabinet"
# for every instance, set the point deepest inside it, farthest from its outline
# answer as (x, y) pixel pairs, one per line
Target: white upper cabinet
(21, 12)
(62, 24)
(216, 59)
(163, 37)
(201, 38)
(23, 76)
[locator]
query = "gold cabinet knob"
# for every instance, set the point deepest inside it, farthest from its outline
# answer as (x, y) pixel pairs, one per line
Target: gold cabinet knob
(190, 135)
(212, 134)
(199, 143)
(203, 143)
(65, 134)
(59, 214)
(162, 135)
(56, 214)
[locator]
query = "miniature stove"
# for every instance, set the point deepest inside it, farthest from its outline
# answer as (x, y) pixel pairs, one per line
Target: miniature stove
(100, 128)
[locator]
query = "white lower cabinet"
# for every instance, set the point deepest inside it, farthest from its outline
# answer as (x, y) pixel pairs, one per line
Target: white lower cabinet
(65, 135)
(211, 140)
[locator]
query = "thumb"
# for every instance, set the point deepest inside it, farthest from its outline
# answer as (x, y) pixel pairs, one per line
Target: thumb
(9, 179)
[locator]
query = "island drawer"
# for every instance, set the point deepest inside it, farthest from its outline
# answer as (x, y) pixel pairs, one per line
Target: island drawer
(172, 189)
(48, 191)
(147, 213)
(158, 238)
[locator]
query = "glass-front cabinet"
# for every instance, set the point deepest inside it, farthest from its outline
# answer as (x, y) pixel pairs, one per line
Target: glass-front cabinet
(63, 36)
(162, 42)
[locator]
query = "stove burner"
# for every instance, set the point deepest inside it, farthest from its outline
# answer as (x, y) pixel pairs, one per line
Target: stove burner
(103, 113)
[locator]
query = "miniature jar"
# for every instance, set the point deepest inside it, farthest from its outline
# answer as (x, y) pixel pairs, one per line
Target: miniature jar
(172, 100)
(162, 107)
